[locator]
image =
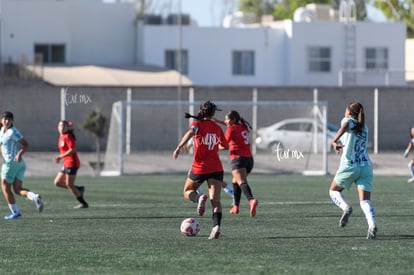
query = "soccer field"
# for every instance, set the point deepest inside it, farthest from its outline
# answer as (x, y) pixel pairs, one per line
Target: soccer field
(132, 227)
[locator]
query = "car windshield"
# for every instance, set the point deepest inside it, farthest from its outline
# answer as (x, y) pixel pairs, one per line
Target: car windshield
(306, 127)
(297, 126)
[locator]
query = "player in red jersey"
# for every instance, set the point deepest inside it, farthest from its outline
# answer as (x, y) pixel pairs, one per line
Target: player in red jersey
(237, 137)
(207, 166)
(69, 155)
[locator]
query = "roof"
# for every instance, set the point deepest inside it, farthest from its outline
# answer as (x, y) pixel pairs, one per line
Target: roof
(99, 76)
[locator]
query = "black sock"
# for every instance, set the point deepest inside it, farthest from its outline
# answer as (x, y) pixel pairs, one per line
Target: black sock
(193, 196)
(237, 194)
(246, 191)
(217, 218)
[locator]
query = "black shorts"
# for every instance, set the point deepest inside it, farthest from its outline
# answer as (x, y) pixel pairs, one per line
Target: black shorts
(69, 170)
(243, 162)
(201, 178)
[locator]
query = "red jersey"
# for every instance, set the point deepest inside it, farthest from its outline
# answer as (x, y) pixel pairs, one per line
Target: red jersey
(208, 136)
(237, 137)
(65, 143)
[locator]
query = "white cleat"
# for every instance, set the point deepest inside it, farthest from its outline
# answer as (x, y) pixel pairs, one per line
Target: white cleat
(215, 233)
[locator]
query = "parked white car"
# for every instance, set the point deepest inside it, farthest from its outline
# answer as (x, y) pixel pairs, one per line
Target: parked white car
(294, 134)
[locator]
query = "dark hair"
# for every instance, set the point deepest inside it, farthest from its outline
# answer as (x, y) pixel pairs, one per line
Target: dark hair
(69, 126)
(207, 109)
(234, 115)
(7, 114)
(357, 111)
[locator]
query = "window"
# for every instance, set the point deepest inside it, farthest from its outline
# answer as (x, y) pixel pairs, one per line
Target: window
(172, 62)
(49, 53)
(319, 59)
(376, 58)
(243, 63)
(297, 126)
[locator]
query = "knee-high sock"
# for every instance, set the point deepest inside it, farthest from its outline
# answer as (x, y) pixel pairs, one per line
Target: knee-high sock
(246, 190)
(411, 169)
(369, 212)
(237, 194)
(338, 198)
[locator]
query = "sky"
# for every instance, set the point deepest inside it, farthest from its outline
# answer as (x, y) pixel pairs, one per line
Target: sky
(209, 13)
(206, 13)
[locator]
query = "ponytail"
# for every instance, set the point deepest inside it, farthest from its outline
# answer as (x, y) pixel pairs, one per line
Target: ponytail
(357, 111)
(234, 115)
(207, 109)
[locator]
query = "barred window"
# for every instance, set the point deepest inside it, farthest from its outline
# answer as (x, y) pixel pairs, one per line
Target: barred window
(172, 60)
(376, 58)
(319, 59)
(243, 62)
(49, 53)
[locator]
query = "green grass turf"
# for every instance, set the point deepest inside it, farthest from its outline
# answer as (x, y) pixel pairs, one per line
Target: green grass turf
(132, 227)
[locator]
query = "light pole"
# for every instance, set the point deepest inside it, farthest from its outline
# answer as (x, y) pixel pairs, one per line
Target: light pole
(180, 71)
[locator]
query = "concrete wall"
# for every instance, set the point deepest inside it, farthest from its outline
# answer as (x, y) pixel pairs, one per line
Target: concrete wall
(37, 110)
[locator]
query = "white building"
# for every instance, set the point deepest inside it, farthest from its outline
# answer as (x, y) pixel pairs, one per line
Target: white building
(310, 52)
(67, 32)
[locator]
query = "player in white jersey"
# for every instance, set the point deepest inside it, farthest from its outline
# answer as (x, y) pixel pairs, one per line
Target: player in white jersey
(407, 151)
(13, 146)
(355, 166)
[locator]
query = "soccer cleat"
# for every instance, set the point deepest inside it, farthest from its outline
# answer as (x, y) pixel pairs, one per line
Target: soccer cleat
(372, 233)
(39, 203)
(345, 216)
(410, 180)
(234, 209)
(201, 207)
(253, 205)
(82, 205)
(215, 233)
(12, 216)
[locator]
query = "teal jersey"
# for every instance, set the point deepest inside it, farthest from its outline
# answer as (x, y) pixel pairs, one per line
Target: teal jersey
(9, 141)
(354, 152)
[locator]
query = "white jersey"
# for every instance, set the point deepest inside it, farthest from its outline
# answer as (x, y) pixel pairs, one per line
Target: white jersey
(9, 141)
(354, 152)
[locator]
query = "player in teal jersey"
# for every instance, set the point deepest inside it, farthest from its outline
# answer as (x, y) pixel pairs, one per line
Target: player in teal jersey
(13, 146)
(355, 166)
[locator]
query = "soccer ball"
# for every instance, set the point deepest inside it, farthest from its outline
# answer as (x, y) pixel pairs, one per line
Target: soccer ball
(190, 227)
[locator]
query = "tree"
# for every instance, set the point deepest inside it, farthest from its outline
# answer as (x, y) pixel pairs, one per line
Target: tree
(284, 9)
(257, 7)
(95, 124)
(398, 10)
(361, 11)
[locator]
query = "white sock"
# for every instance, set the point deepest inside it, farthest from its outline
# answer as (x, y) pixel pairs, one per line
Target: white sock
(338, 199)
(368, 211)
(229, 190)
(31, 196)
(199, 191)
(411, 169)
(14, 208)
